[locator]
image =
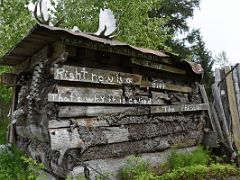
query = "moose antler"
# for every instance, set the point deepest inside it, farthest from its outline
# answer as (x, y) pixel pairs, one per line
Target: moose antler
(107, 24)
(45, 18)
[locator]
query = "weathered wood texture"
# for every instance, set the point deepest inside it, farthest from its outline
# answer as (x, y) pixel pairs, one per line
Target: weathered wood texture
(166, 86)
(105, 96)
(205, 100)
(141, 146)
(237, 90)
(67, 110)
(8, 79)
(118, 120)
(226, 113)
(157, 66)
(178, 108)
(233, 108)
(113, 166)
(81, 111)
(85, 74)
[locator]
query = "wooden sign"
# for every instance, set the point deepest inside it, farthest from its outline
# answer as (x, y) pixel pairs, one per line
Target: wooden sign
(158, 66)
(179, 108)
(85, 74)
(166, 86)
(102, 96)
(8, 79)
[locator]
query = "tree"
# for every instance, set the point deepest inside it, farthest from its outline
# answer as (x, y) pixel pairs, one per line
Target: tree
(203, 56)
(221, 60)
(15, 22)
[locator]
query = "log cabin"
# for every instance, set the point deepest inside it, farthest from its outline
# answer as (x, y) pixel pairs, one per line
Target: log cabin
(83, 104)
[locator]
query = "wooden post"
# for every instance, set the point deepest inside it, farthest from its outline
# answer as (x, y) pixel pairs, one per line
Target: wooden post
(233, 108)
(237, 89)
(12, 137)
(205, 100)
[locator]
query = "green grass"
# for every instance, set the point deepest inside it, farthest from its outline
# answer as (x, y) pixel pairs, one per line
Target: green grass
(198, 156)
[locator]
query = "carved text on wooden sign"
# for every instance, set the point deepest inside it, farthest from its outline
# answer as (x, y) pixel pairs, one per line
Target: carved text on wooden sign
(158, 66)
(179, 108)
(85, 74)
(101, 96)
(166, 86)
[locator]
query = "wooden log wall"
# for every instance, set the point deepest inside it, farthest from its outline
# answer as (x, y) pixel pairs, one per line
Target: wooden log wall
(227, 105)
(69, 112)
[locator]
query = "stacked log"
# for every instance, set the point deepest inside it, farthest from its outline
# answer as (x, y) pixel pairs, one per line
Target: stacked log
(74, 118)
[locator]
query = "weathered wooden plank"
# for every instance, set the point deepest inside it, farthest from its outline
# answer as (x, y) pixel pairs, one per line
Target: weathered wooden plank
(205, 100)
(154, 65)
(237, 90)
(41, 55)
(121, 50)
(233, 108)
(84, 137)
(81, 111)
(142, 146)
(91, 75)
(103, 96)
(87, 122)
(179, 108)
(221, 117)
(217, 124)
(24, 66)
(105, 121)
(166, 86)
(8, 79)
(114, 166)
(33, 132)
(65, 138)
(11, 130)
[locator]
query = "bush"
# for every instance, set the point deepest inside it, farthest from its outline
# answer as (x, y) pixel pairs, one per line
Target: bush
(135, 167)
(198, 156)
(14, 165)
(3, 130)
(200, 172)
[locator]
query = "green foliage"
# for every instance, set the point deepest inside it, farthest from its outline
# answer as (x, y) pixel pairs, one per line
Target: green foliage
(135, 167)
(198, 156)
(77, 178)
(33, 168)
(14, 165)
(203, 56)
(135, 26)
(3, 130)
(201, 172)
(16, 21)
(221, 60)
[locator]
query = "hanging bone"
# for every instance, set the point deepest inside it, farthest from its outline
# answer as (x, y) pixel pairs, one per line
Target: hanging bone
(107, 24)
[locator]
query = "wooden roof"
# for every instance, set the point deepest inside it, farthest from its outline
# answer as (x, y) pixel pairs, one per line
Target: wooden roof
(42, 35)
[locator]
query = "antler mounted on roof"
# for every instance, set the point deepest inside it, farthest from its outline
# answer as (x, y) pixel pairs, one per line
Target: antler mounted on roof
(43, 9)
(107, 24)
